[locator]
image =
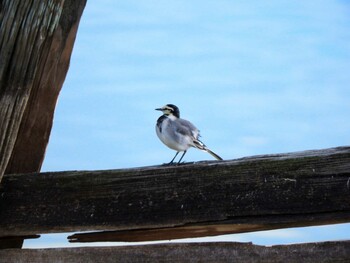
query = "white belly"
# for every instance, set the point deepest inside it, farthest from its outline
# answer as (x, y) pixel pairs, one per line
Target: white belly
(172, 139)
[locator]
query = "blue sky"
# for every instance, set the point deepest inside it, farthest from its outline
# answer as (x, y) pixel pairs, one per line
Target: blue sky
(255, 77)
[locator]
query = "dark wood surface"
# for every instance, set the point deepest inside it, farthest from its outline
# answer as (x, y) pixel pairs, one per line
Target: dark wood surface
(190, 252)
(14, 241)
(195, 199)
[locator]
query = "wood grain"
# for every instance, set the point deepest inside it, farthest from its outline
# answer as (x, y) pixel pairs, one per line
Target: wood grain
(36, 42)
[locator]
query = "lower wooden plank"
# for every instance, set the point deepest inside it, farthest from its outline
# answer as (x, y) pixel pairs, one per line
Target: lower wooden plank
(233, 226)
(186, 252)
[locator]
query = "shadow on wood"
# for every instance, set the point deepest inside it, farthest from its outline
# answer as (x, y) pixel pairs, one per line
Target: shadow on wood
(14, 241)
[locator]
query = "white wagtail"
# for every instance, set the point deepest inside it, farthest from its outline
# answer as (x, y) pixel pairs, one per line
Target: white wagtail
(179, 134)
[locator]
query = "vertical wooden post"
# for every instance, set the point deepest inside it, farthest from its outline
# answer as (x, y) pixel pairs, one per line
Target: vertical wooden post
(36, 41)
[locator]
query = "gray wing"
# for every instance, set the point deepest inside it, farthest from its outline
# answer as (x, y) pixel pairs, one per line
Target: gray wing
(187, 128)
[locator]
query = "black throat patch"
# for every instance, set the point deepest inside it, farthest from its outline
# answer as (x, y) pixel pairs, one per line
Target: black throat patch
(160, 121)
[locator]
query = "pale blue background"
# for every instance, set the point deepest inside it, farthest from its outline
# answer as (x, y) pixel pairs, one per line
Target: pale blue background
(256, 77)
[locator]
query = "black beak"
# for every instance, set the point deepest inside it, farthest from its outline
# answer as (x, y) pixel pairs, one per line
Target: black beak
(159, 109)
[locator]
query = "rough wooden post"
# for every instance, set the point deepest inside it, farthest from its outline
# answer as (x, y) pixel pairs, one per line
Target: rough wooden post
(36, 41)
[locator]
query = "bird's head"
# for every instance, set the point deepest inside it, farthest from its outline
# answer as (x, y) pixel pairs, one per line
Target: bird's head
(170, 109)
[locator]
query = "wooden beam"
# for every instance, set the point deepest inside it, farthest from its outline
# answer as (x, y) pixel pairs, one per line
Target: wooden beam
(190, 252)
(199, 199)
(36, 42)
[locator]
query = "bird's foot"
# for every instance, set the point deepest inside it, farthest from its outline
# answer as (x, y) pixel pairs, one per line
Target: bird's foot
(169, 164)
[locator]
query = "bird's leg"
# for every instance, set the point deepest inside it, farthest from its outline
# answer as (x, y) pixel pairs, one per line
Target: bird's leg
(181, 157)
(171, 162)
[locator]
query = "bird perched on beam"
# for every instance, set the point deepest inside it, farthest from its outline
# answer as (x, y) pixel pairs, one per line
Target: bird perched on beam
(179, 134)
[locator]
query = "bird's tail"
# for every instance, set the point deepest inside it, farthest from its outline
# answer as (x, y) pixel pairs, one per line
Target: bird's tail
(201, 146)
(217, 157)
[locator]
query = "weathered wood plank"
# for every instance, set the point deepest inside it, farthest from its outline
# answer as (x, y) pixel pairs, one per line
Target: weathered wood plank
(207, 198)
(36, 41)
(190, 252)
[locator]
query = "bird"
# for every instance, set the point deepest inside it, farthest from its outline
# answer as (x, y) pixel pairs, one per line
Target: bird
(179, 134)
